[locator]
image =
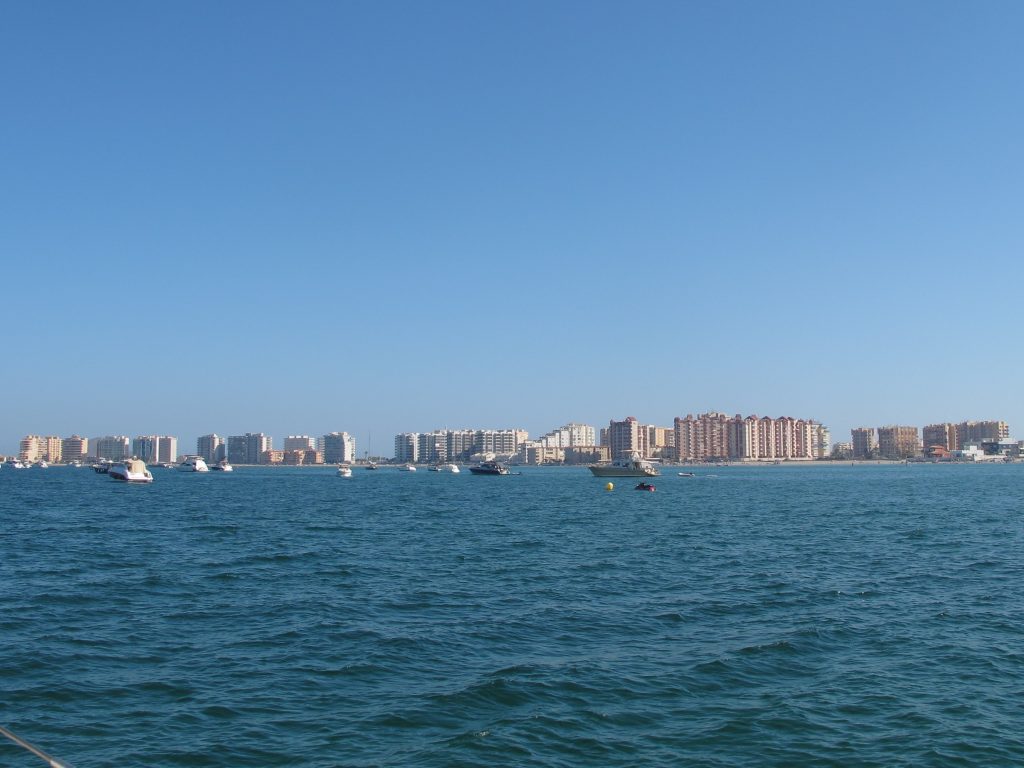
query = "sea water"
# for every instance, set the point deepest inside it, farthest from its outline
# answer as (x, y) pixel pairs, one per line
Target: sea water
(868, 615)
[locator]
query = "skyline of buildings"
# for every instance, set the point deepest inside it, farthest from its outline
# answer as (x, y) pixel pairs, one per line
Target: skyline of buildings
(711, 436)
(901, 442)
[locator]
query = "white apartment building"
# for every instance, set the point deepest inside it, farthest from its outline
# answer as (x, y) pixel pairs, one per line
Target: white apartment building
(456, 444)
(112, 447)
(339, 448)
(569, 436)
(155, 449)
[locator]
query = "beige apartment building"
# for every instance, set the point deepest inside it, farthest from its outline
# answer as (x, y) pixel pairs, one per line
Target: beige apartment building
(941, 435)
(718, 437)
(33, 448)
(74, 448)
(896, 442)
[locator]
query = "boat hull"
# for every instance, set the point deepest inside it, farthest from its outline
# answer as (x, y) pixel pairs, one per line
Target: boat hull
(609, 470)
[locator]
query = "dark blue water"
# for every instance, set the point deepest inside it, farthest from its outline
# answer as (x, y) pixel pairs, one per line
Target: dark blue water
(287, 617)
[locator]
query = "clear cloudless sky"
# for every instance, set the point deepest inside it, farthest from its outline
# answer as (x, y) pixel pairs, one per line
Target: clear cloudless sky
(388, 216)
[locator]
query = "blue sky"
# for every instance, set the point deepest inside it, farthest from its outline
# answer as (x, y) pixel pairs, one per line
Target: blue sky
(378, 217)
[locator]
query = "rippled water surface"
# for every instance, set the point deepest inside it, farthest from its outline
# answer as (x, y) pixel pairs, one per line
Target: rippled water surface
(288, 617)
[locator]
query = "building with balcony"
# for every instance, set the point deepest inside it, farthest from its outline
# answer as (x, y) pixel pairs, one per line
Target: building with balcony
(211, 447)
(569, 436)
(155, 449)
(249, 448)
(30, 449)
(897, 442)
(339, 448)
(864, 444)
(74, 448)
(299, 443)
(111, 447)
(941, 436)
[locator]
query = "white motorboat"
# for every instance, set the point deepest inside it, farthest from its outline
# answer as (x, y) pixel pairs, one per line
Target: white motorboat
(221, 466)
(76, 464)
(407, 468)
(14, 464)
(42, 464)
(449, 467)
(193, 464)
(131, 471)
(634, 466)
(344, 471)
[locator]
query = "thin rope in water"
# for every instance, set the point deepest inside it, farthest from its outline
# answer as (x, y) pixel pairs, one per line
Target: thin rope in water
(54, 762)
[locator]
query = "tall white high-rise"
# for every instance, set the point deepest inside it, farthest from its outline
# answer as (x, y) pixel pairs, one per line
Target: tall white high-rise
(339, 448)
(112, 447)
(155, 449)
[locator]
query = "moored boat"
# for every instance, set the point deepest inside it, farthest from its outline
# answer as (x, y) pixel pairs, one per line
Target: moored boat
(489, 468)
(130, 471)
(222, 466)
(193, 464)
(634, 466)
(344, 471)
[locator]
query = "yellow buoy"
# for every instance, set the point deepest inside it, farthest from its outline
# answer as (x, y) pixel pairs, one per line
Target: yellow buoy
(610, 487)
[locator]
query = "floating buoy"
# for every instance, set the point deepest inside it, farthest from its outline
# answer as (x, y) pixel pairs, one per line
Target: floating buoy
(609, 486)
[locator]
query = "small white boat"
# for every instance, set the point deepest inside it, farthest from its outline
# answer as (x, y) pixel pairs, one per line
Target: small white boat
(131, 471)
(407, 468)
(193, 464)
(42, 464)
(453, 468)
(222, 466)
(344, 471)
(14, 464)
(76, 464)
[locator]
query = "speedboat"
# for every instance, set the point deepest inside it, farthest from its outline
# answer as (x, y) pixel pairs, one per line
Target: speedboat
(686, 474)
(221, 466)
(76, 464)
(407, 468)
(14, 464)
(634, 466)
(131, 471)
(101, 467)
(453, 468)
(489, 468)
(644, 486)
(42, 464)
(193, 464)
(371, 465)
(344, 471)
